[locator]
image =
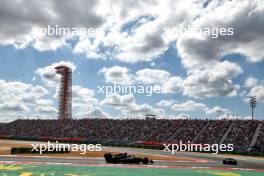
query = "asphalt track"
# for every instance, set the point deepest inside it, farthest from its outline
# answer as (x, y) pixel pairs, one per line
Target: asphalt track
(198, 159)
(201, 159)
(198, 164)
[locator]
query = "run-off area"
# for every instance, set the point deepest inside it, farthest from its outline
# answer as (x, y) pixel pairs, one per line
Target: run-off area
(73, 170)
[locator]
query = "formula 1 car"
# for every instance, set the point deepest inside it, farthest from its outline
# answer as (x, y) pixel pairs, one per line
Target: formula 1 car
(230, 161)
(124, 158)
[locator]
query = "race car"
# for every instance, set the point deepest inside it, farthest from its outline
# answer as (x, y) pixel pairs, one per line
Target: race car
(124, 158)
(230, 161)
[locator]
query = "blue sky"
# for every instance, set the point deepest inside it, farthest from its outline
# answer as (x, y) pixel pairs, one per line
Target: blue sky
(201, 76)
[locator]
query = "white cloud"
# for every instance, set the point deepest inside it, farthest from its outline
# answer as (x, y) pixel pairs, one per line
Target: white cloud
(79, 91)
(254, 87)
(99, 113)
(93, 113)
(20, 17)
(34, 99)
(90, 49)
(83, 100)
(183, 116)
(257, 91)
(48, 74)
(85, 104)
(18, 98)
(153, 64)
(245, 17)
(117, 75)
(44, 102)
(141, 110)
(189, 106)
(46, 109)
(44, 43)
(165, 103)
(118, 100)
(126, 105)
(152, 30)
(152, 76)
(135, 31)
(14, 106)
(251, 82)
(218, 111)
(139, 31)
(208, 81)
(212, 81)
(173, 85)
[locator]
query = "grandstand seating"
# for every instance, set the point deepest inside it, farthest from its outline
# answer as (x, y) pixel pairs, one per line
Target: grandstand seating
(133, 130)
(260, 140)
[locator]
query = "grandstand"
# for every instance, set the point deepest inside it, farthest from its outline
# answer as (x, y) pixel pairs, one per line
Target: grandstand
(244, 134)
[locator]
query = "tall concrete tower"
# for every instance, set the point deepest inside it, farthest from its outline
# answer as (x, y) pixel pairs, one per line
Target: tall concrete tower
(65, 93)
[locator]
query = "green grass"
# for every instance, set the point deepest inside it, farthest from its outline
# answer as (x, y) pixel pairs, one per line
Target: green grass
(63, 170)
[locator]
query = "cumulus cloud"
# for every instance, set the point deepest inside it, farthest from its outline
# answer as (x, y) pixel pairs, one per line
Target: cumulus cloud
(18, 98)
(189, 106)
(192, 106)
(83, 97)
(85, 104)
(245, 17)
(48, 74)
(257, 91)
(118, 100)
(126, 105)
(122, 76)
(14, 106)
(142, 110)
(173, 85)
(218, 111)
(251, 82)
(208, 81)
(135, 32)
(152, 76)
(146, 38)
(139, 31)
(96, 112)
(46, 109)
(146, 30)
(18, 22)
(183, 116)
(253, 87)
(117, 75)
(212, 81)
(165, 103)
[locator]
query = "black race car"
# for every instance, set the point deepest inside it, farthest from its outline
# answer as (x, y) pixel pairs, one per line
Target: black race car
(230, 161)
(124, 158)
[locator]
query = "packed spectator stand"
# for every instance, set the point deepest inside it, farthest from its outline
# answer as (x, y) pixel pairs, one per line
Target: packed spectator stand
(198, 131)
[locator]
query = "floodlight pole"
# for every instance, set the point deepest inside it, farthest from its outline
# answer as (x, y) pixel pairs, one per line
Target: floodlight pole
(253, 104)
(252, 109)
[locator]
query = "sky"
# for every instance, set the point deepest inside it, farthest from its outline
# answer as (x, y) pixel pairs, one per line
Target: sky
(138, 43)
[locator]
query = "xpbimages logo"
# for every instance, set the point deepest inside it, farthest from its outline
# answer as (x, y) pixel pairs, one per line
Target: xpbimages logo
(189, 147)
(56, 30)
(51, 147)
(148, 90)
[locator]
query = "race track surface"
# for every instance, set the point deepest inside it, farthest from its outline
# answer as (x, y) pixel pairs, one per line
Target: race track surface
(196, 164)
(198, 159)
